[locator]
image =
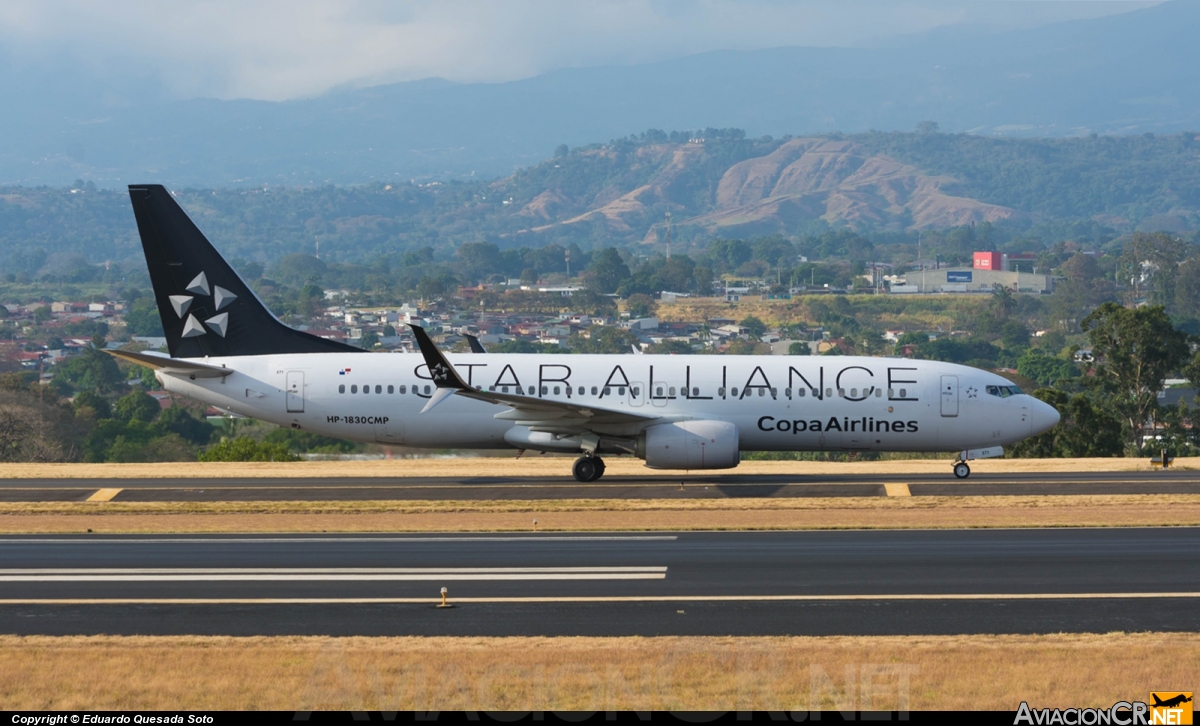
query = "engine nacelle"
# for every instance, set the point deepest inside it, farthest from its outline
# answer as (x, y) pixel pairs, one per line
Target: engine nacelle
(690, 445)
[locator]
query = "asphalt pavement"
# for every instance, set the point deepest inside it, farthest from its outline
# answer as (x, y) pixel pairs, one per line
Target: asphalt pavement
(693, 583)
(655, 486)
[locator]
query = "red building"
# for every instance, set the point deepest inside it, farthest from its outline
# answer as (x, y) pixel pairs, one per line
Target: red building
(989, 261)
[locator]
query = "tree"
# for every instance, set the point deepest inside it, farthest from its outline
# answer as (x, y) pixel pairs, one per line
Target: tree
(606, 272)
(142, 319)
(176, 420)
(136, 406)
(93, 370)
(244, 448)
(42, 314)
(641, 306)
(927, 127)
(1083, 431)
(90, 401)
(1134, 351)
(754, 325)
(671, 347)
(1003, 304)
(799, 348)
(369, 340)
(1152, 263)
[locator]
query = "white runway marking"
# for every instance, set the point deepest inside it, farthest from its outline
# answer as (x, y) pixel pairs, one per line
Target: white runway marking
(341, 574)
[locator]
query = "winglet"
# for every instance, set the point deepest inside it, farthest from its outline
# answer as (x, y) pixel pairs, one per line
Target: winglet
(444, 376)
(476, 346)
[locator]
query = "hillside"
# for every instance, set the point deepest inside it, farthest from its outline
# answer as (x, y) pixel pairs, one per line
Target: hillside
(716, 183)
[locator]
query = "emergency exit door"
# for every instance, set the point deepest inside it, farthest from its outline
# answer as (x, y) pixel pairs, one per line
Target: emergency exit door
(295, 391)
(949, 395)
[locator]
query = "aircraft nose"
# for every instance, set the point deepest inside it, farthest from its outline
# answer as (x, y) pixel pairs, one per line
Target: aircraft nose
(1042, 417)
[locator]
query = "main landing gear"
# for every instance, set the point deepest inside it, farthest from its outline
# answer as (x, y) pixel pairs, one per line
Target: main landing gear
(961, 470)
(588, 468)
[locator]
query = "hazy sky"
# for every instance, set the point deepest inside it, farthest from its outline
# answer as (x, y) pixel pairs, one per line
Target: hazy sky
(279, 49)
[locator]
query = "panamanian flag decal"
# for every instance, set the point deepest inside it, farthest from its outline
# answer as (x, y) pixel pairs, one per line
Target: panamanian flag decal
(343, 372)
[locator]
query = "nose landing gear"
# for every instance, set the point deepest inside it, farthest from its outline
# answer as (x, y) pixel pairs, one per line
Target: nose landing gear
(961, 470)
(588, 468)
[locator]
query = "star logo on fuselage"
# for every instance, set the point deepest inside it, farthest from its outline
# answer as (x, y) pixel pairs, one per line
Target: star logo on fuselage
(972, 392)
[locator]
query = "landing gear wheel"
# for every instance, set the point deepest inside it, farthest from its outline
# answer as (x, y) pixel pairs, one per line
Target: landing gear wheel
(961, 470)
(585, 469)
(599, 468)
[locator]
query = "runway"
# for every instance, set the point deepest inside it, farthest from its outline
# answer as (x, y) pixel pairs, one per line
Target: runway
(655, 486)
(709, 583)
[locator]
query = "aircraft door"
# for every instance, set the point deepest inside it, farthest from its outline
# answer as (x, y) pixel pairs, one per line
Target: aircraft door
(949, 395)
(295, 391)
(637, 394)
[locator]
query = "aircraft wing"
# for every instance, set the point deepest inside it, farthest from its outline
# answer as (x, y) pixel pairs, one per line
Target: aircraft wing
(539, 413)
(175, 366)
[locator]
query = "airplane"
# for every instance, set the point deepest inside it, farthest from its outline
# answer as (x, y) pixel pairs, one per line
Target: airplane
(226, 349)
(1170, 702)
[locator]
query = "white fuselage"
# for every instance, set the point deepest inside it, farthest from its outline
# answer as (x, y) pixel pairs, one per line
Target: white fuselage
(778, 403)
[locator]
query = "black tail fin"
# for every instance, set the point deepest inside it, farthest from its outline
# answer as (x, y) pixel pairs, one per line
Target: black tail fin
(205, 307)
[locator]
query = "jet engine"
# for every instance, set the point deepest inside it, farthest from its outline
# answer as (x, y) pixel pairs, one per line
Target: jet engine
(690, 445)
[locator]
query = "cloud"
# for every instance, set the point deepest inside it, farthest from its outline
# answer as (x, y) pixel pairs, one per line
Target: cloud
(280, 49)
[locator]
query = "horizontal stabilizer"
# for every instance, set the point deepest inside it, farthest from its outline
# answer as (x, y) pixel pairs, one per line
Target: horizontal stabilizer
(174, 366)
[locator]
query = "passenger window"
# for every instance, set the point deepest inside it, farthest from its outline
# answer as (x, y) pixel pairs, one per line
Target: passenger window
(841, 393)
(774, 392)
(607, 391)
(391, 389)
(366, 389)
(342, 388)
(660, 393)
(762, 392)
(544, 390)
(695, 393)
(531, 390)
(557, 389)
(403, 390)
(426, 390)
(620, 390)
(828, 393)
(634, 391)
(671, 391)
(854, 393)
(903, 393)
(354, 388)
(721, 392)
(378, 388)
(593, 390)
(816, 393)
(891, 393)
(878, 393)
(800, 392)
(734, 392)
(582, 390)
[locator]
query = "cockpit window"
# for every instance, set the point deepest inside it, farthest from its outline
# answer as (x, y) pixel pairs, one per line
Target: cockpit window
(1003, 391)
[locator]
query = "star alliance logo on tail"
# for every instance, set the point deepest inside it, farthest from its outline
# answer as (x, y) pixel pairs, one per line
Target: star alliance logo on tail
(192, 327)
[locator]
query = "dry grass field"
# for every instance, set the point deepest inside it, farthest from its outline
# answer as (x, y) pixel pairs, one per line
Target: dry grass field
(559, 466)
(779, 673)
(603, 514)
